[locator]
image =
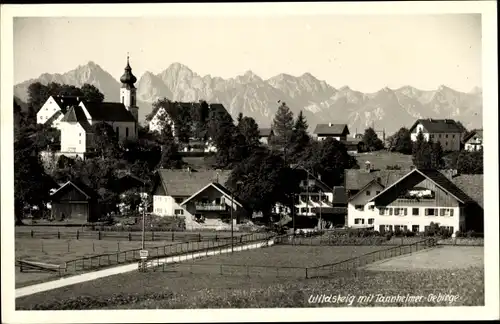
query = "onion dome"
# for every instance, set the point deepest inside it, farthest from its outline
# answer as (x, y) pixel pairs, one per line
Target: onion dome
(128, 78)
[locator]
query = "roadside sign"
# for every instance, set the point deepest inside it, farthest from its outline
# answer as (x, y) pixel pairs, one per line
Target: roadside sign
(144, 254)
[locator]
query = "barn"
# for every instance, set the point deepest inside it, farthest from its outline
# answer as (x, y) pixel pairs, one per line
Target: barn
(75, 201)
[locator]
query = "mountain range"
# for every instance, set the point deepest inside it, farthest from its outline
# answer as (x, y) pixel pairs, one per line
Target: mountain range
(387, 109)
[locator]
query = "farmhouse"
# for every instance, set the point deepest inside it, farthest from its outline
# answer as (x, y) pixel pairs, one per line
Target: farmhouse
(76, 201)
(474, 141)
(54, 109)
(198, 196)
(336, 131)
(445, 131)
(265, 134)
(76, 123)
(409, 200)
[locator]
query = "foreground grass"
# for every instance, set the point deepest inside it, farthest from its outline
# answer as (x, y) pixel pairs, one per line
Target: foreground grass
(163, 291)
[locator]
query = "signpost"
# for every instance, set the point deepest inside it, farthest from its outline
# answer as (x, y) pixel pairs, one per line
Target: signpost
(144, 254)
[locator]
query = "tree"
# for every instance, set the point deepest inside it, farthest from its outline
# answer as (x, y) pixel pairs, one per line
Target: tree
(199, 118)
(105, 140)
(470, 162)
(240, 118)
(183, 124)
(248, 127)
(300, 139)
(401, 141)
(329, 158)
(37, 95)
(436, 155)
(421, 153)
(282, 126)
(222, 131)
(91, 93)
(371, 140)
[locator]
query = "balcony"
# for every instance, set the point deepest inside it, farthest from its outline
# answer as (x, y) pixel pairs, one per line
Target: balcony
(210, 207)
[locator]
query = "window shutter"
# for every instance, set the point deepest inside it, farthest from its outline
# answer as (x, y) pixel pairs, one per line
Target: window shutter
(381, 211)
(442, 212)
(451, 212)
(406, 211)
(435, 211)
(426, 212)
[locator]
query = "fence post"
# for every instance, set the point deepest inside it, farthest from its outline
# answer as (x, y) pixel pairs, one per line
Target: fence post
(215, 236)
(248, 273)
(109, 260)
(68, 246)
(221, 269)
(172, 236)
(152, 236)
(58, 235)
(77, 234)
(307, 277)
(99, 233)
(199, 237)
(93, 247)
(118, 246)
(32, 233)
(129, 236)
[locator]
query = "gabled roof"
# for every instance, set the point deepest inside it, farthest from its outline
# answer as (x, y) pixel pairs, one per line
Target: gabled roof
(78, 185)
(331, 129)
(75, 114)
(356, 179)
(108, 111)
(472, 185)
(374, 181)
(220, 188)
(265, 132)
(53, 118)
(185, 183)
(476, 132)
(439, 180)
(438, 125)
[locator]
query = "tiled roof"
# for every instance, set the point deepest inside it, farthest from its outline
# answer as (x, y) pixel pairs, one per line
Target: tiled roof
(356, 179)
(91, 193)
(438, 125)
(472, 185)
(75, 114)
(186, 183)
(331, 129)
(265, 132)
(53, 118)
(108, 111)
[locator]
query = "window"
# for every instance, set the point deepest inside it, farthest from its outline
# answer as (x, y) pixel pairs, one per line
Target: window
(303, 210)
(217, 202)
(178, 200)
(80, 142)
(368, 192)
(446, 143)
(397, 227)
(381, 228)
(381, 211)
(123, 99)
(179, 212)
(371, 207)
(453, 136)
(80, 134)
(432, 135)
(359, 221)
(371, 221)
(442, 211)
(439, 135)
(446, 136)
(126, 131)
(396, 211)
(359, 207)
(415, 228)
(405, 228)
(390, 211)
(431, 212)
(451, 212)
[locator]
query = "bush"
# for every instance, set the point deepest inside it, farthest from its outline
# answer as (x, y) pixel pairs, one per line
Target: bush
(388, 235)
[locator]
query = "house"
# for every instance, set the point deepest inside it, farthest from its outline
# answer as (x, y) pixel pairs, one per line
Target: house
(76, 124)
(410, 200)
(336, 131)
(74, 201)
(474, 141)
(54, 109)
(198, 196)
(265, 134)
(446, 131)
(354, 145)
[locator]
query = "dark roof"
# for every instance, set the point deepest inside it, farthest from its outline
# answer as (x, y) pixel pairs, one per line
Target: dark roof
(441, 180)
(75, 114)
(339, 195)
(478, 132)
(128, 78)
(186, 183)
(265, 132)
(331, 129)
(108, 111)
(438, 125)
(472, 185)
(374, 181)
(356, 179)
(64, 102)
(91, 193)
(54, 117)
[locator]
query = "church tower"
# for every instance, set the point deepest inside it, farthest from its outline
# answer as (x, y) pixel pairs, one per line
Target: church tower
(128, 91)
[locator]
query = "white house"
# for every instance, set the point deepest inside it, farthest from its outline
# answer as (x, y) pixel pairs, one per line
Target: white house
(474, 141)
(445, 131)
(336, 131)
(412, 202)
(54, 109)
(159, 120)
(76, 124)
(200, 197)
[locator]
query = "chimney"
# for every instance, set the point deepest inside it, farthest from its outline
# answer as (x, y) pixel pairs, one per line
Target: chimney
(367, 166)
(329, 124)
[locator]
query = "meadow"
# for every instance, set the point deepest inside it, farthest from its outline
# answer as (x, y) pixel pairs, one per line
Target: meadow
(381, 159)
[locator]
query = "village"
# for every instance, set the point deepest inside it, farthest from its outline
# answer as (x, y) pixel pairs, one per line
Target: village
(385, 198)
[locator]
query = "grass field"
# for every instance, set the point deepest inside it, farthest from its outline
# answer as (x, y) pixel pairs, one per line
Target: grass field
(380, 160)
(445, 257)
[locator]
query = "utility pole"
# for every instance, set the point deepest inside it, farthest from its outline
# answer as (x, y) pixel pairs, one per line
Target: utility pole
(143, 216)
(232, 222)
(293, 212)
(320, 206)
(307, 194)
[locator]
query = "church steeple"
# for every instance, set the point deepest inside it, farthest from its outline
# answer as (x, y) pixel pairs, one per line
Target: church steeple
(128, 79)
(128, 91)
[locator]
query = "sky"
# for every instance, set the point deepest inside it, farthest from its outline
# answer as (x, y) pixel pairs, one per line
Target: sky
(364, 52)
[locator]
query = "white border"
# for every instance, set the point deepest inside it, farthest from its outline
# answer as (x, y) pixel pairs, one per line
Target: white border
(489, 84)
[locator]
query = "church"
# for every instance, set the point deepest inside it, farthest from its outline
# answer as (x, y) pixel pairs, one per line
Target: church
(74, 117)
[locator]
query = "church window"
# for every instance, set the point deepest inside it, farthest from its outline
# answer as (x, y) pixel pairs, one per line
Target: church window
(126, 131)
